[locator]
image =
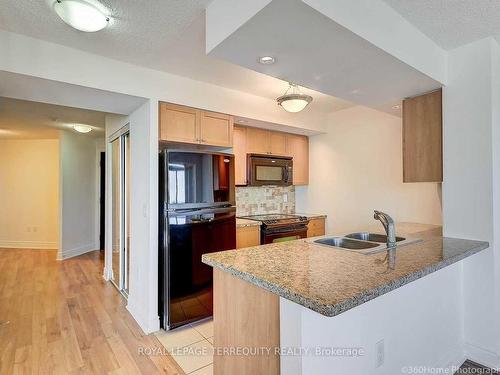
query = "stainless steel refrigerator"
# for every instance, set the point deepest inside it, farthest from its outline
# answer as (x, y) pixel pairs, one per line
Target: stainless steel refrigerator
(197, 216)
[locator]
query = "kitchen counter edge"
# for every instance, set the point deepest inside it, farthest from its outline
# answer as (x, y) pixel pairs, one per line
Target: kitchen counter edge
(347, 304)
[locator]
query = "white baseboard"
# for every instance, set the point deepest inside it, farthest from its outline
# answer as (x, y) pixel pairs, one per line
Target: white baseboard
(482, 356)
(70, 253)
(38, 245)
(107, 273)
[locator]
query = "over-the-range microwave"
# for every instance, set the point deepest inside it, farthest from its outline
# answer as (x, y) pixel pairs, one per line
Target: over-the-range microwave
(269, 170)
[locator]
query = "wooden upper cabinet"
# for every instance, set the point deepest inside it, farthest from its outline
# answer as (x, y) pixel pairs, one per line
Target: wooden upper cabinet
(258, 141)
(423, 138)
(190, 125)
(240, 154)
(248, 140)
(179, 123)
(298, 148)
(262, 141)
(216, 129)
(278, 143)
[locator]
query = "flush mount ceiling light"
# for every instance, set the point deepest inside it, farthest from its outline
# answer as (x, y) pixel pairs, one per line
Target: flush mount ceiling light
(293, 100)
(267, 60)
(81, 15)
(82, 128)
(397, 106)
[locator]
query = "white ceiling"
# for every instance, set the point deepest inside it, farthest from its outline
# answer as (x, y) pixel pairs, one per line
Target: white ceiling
(21, 119)
(19, 86)
(167, 35)
(452, 23)
(327, 58)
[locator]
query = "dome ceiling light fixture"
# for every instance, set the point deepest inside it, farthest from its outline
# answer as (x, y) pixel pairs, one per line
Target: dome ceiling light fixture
(81, 15)
(293, 100)
(267, 60)
(82, 128)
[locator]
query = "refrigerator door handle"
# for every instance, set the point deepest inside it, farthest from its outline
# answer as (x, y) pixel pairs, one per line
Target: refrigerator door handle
(199, 209)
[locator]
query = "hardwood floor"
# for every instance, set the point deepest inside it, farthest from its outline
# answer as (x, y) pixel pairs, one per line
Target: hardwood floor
(63, 318)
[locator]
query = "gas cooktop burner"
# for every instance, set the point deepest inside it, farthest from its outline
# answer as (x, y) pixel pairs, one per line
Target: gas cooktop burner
(277, 219)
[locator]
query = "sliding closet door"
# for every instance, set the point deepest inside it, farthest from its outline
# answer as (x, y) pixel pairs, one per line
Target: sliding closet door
(116, 212)
(120, 185)
(126, 158)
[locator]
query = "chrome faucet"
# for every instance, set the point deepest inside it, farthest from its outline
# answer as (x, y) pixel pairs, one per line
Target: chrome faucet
(389, 227)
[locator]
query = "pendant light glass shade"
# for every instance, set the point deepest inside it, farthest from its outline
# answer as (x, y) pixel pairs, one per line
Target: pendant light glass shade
(294, 101)
(81, 15)
(82, 128)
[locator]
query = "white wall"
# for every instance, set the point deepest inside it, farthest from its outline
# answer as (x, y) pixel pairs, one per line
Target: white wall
(420, 323)
(79, 209)
(100, 146)
(34, 57)
(496, 181)
(143, 278)
(29, 193)
(470, 203)
(381, 25)
(357, 167)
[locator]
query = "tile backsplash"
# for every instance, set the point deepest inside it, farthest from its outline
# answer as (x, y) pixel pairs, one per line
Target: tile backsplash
(265, 200)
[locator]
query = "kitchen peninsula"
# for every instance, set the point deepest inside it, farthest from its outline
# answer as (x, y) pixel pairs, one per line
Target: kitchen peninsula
(302, 296)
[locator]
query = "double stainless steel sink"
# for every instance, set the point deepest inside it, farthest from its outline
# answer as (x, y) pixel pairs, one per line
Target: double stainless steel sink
(363, 242)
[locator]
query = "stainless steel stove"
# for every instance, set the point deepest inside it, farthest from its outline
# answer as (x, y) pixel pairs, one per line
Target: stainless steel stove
(280, 227)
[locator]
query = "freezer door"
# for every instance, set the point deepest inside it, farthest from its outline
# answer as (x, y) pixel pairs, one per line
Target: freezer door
(197, 179)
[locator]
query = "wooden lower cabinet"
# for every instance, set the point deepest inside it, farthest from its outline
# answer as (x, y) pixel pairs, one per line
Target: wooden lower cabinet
(245, 316)
(247, 236)
(316, 227)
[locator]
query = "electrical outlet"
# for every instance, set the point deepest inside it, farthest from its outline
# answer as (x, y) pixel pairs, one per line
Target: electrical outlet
(380, 352)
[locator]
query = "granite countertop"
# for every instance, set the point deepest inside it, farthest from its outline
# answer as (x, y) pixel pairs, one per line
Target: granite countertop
(331, 281)
(240, 223)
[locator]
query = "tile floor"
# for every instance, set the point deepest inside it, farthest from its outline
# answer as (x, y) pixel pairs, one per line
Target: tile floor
(191, 346)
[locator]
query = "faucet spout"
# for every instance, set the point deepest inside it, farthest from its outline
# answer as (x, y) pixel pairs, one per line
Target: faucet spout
(389, 226)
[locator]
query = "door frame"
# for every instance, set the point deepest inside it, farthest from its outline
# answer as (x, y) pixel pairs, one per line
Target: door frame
(102, 199)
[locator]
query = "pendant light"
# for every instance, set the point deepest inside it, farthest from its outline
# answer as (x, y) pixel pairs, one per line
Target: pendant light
(293, 100)
(81, 15)
(82, 128)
